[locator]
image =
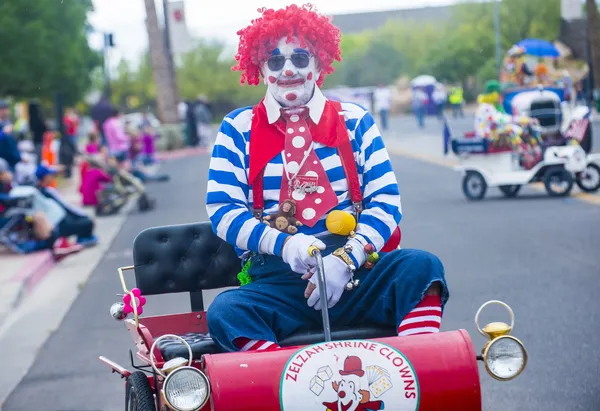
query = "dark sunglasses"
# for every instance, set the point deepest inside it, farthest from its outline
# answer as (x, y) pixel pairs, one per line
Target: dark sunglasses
(300, 60)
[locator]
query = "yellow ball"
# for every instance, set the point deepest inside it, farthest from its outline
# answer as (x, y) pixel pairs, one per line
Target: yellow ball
(340, 222)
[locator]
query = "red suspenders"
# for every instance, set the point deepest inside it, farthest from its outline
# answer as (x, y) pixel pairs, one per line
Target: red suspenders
(349, 164)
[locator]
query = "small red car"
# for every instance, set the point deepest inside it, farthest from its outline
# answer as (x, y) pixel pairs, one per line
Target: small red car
(363, 368)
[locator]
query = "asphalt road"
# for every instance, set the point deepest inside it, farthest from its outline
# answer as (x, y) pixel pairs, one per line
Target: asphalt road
(538, 254)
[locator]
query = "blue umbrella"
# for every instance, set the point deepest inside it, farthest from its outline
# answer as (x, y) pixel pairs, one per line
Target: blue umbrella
(539, 48)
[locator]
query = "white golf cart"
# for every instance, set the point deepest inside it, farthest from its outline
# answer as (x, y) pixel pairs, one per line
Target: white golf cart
(559, 119)
(484, 166)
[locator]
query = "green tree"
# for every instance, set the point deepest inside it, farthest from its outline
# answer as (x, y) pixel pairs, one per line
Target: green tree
(206, 70)
(44, 48)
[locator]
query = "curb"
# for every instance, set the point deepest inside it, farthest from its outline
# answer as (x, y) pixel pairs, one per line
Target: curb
(31, 275)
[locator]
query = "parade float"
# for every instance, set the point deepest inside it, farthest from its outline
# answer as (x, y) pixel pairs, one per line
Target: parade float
(531, 87)
(178, 366)
(528, 129)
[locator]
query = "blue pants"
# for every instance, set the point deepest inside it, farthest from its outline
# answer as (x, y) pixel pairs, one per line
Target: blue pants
(384, 119)
(420, 115)
(273, 306)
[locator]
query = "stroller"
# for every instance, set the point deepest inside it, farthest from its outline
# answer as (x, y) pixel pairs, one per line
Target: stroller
(16, 228)
(113, 196)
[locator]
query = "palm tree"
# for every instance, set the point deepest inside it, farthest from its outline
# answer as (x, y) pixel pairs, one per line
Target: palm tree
(166, 89)
(593, 28)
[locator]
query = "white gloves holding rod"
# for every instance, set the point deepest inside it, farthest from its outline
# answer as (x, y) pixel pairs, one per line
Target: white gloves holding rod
(295, 252)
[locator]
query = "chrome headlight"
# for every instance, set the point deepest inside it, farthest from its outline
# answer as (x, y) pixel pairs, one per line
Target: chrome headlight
(186, 389)
(505, 358)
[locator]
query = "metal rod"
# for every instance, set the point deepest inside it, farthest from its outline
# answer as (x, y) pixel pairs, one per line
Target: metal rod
(323, 294)
(497, 30)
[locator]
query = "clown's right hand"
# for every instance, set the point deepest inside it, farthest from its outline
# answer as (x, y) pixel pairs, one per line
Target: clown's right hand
(295, 252)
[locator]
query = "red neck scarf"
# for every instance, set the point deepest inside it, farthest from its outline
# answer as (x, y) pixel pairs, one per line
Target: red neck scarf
(267, 140)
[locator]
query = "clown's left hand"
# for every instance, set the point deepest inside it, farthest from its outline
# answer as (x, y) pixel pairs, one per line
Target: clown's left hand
(336, 278)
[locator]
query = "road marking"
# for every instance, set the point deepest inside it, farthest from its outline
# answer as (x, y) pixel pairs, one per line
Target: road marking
(450, 163)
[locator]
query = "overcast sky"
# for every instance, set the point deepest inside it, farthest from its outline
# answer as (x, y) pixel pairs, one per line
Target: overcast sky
(209, 18)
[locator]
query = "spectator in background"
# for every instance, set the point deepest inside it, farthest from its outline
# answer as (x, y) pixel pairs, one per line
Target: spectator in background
(191, 126)
(25, 169)
(93, 145)
(457, 101)
(383, 102)
(100, 113)
(439, 98)
(37, 126)
(147, 155)
(75, 222)
(116, 138)
(419, 103)
(68, 145)
(9, 150)
(203, 120)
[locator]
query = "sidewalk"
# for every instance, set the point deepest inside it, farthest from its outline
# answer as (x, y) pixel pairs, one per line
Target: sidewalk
(36, 292)
(20, 274)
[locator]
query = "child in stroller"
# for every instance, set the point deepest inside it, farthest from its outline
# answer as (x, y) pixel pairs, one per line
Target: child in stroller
(108, 187)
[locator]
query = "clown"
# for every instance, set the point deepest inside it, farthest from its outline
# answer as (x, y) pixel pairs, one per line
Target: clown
(492, 95)
(326, 156)
(514, 69)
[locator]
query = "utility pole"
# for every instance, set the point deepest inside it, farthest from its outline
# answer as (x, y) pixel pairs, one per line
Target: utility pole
(167, 97)
(108, 44)
(497, 30)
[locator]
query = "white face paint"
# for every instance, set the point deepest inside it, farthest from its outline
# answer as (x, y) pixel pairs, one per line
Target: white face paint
(291, 85)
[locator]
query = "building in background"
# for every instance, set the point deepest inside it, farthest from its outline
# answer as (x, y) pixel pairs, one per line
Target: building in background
(358, 22)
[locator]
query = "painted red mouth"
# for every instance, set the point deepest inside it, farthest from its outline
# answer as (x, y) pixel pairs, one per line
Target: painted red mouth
(290, 83)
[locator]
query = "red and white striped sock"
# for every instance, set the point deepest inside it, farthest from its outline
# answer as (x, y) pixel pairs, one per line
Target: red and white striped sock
(425, 318)
(246, 344)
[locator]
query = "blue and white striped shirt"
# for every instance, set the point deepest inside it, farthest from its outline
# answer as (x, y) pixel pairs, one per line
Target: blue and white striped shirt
(229, 196)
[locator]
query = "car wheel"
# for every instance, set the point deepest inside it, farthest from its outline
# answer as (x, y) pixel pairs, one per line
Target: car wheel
(474, 185)
(586, 141)
(589, 179)
(558, 182)
(510, 191)
(138, 394)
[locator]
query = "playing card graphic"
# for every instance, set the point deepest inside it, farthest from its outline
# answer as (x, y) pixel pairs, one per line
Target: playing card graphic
(378, 379)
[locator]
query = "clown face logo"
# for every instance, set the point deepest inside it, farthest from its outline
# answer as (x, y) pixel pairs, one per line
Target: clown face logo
(291, 73)
(349, 376)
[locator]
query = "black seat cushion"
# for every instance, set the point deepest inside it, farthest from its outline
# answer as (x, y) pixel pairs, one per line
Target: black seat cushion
(183, 258)
(203, 344)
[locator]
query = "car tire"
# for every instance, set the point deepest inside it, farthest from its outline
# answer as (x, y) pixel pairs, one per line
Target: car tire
(510, 191)
(138, 394)
(591, 170)
(558, 175)
(586, 141)
(474, 186)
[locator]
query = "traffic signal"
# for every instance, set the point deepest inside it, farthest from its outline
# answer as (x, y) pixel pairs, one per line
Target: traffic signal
(109, 40)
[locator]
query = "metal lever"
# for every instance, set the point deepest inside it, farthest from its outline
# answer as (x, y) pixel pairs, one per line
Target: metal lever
(315, 252)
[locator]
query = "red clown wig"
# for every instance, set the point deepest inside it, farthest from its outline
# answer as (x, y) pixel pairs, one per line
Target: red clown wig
(260, 38)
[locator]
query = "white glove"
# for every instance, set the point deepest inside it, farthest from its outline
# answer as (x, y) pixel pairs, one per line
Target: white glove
(295, 252)
(336, 278)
